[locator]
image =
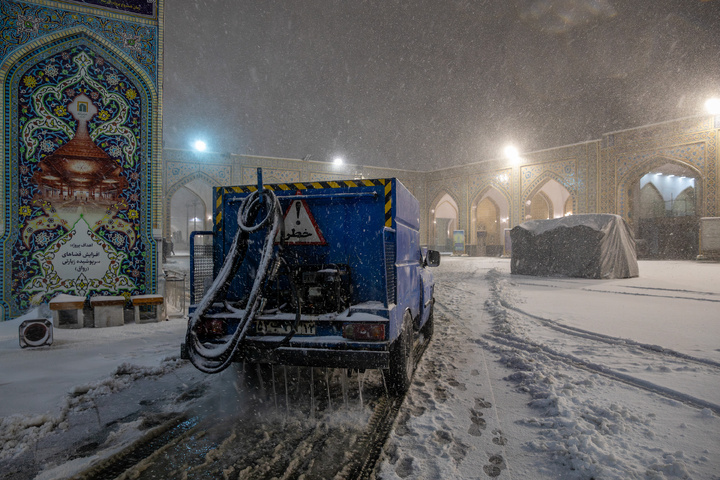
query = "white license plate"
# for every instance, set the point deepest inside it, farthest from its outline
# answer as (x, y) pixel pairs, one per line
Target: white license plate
(283, 328)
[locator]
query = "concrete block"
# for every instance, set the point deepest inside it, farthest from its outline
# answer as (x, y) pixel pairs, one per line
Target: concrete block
(108, 311)
(67, 310)
(148, 308)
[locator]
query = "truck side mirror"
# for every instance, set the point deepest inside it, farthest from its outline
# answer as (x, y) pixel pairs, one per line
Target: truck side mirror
(433, 258)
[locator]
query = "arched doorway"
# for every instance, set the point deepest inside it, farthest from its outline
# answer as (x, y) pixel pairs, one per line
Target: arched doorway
(489, 219)
(188, 213)
(664, 212)
(539, 207)
(444, 220)
(550, 200)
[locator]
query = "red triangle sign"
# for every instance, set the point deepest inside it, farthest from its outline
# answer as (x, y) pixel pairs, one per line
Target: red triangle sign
(300, 226)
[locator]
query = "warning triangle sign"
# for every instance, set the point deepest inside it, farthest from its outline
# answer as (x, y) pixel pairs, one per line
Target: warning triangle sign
(300, 226)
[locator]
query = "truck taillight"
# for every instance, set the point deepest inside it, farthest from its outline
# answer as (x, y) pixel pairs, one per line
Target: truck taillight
(364, 331)
(212, 328)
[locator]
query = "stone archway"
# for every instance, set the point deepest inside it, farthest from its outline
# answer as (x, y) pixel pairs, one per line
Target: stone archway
(549, 199)
(189, 198)
(490, 212)
(444, 218)
(662, 208)
(539, 207)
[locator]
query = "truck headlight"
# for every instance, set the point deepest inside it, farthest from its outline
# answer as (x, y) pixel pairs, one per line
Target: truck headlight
(364, 331)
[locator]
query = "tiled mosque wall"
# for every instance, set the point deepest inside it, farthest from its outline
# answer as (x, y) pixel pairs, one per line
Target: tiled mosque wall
(81, 185)
(182, 167)
(628, 155)
(597, 174)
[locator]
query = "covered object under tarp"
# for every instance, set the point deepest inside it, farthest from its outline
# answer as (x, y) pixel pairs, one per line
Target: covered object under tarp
(585, 246)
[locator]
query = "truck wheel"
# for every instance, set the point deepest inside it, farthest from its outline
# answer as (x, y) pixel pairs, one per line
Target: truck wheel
(402, 360)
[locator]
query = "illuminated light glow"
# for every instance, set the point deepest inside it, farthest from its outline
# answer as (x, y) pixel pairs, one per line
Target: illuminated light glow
(338, 161)
(712, 105)
(512, 153)
(200, 146)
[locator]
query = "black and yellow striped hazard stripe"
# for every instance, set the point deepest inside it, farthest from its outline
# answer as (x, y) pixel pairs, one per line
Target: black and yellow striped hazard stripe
(222, 191)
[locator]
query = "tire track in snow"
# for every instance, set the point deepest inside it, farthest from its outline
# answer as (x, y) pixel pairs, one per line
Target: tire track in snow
(680, 294)
(593, 425)
(571, 360)
(599, 337)
(609, 339)
(499, 307)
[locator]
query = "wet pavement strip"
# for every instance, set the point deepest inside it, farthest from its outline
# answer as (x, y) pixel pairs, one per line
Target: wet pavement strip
(107, 424)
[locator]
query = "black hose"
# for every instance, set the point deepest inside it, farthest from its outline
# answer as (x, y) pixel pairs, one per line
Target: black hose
(213, 357)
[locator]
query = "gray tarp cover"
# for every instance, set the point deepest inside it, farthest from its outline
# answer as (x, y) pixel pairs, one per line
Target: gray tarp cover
(585, 246)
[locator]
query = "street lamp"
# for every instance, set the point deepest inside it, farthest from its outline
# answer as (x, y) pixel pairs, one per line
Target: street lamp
(512, 153)
(338, 161)
(712, 105)
(200, 146)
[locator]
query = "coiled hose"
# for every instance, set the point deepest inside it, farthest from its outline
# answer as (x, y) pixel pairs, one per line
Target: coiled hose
(214, 357)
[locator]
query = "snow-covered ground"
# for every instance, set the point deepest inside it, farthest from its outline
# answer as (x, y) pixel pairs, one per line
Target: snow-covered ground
(526, 377)
(564, 378)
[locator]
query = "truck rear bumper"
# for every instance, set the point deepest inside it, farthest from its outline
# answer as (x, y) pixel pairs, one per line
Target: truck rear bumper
(315, 357)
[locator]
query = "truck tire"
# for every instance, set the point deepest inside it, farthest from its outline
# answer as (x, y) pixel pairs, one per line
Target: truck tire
(402, 359)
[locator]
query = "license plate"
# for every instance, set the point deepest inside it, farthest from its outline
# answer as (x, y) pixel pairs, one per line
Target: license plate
(283, 328)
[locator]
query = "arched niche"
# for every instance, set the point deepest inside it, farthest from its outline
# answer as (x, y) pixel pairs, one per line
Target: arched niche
(685, 203)
(550, 199)
(189, 198)
(659, 200)
(540, 207)
(489, 217)
(443, 220)
(651, 202)
(83, 150)
(669, 176)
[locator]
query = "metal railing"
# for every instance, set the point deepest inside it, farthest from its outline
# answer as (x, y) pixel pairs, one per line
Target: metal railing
(201, 264)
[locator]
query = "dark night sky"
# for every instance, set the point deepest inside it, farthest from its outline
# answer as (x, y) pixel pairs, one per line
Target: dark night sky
(427, 84)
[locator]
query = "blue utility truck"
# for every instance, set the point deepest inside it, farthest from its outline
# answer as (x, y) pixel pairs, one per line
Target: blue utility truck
(323, 274)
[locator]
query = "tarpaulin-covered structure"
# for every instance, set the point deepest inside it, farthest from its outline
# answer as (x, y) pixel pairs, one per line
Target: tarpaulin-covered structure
(584, 246)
